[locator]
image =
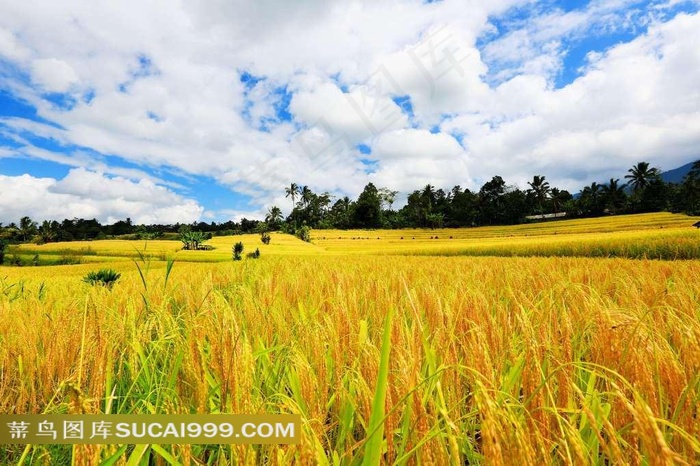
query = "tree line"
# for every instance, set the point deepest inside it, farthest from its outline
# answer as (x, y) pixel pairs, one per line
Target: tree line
(495, 203)
(78, 229)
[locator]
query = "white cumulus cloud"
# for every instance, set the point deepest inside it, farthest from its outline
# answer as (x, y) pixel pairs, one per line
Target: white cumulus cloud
(87, 194)
(53, 75)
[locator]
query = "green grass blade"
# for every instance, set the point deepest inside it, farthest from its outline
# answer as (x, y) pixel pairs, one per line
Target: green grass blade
(373, 448)
(114, 459)
(137, 454)
(168, 270)
(170, 459)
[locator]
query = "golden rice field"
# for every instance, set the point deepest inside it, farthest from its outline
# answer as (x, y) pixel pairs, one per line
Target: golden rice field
(394, 351)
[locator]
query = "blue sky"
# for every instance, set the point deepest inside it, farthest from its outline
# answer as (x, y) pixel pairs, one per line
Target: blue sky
(208, 112)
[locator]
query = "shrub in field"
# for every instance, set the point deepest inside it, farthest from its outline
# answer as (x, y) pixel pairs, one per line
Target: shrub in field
(192, 240)
(254, 255)
(286, 228)
(304, 234)
(237, 251)
(103, 277)
(265, 237)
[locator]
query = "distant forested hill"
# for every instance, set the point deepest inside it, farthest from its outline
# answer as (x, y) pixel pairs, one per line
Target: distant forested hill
(676, 175)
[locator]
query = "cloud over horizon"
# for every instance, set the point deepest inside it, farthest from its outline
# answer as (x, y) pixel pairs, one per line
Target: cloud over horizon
(87, 194)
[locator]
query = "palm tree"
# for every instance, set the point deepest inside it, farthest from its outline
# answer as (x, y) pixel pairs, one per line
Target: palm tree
(593, 190)
(426, 203)
(558, 197)
(590, 198)
(26, 227)
(274, 216)
(306, 195)
(428, 195)
(640, 175)
(324, 200)
(47, 232)
(540, 189)
(292, 192)
(614, 194)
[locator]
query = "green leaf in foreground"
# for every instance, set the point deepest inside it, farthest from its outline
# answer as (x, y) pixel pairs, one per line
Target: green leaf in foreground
(373, 448)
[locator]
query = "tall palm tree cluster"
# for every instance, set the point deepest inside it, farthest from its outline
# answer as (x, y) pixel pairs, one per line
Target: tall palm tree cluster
(644, 192)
